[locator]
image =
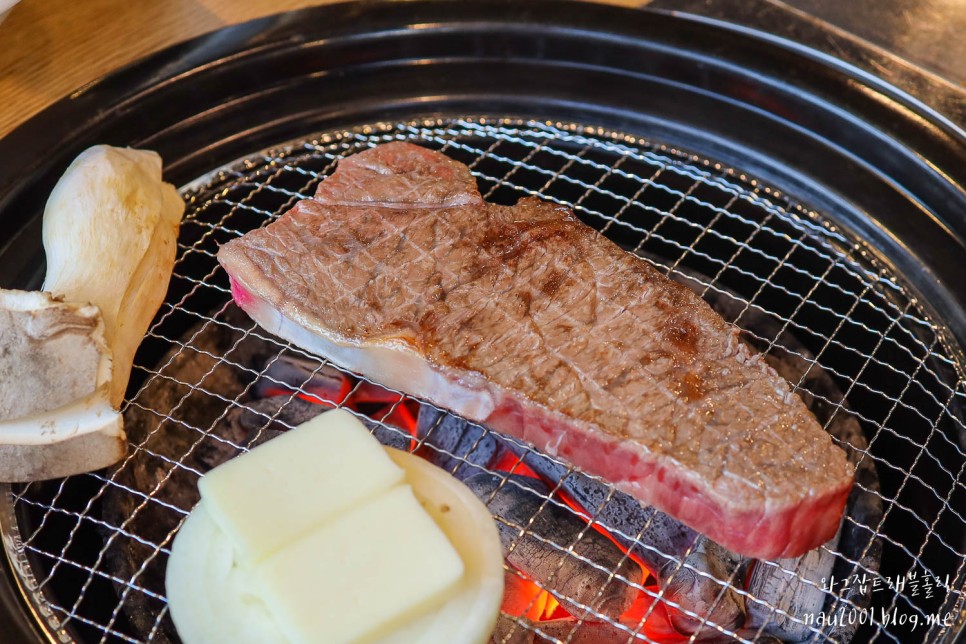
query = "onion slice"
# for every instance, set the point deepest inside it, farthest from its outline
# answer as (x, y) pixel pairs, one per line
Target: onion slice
(211, 597)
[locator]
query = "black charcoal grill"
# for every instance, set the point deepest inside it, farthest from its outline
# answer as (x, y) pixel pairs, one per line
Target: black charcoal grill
(817, 206)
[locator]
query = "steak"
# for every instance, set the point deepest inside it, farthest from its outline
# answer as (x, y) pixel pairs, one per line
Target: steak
(528, 321)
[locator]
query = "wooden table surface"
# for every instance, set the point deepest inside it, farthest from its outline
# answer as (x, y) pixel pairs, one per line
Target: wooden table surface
(49, 48)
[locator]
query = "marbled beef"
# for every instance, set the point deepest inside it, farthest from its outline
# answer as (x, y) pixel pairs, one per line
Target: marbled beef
(526, 320)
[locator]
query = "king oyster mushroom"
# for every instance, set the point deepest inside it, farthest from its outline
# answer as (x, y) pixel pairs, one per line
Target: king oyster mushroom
(110, 230)
(110, 234)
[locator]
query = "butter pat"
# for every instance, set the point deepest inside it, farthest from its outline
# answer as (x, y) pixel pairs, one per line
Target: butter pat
(358, 577)
(416, 558)
(284, 488)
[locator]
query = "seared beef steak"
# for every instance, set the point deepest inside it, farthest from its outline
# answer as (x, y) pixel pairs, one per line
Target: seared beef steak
(526, 320)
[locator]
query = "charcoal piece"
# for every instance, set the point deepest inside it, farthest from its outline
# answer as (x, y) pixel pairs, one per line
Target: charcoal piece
(508, 631)
(276, 414)
(692, 570)
(309, 377)
(454, 444)
(387, 435)
(704, 584)
(264, 436)
(522, 611)
(542, 554)
(299, 374)
(192, 435)
(793, 587)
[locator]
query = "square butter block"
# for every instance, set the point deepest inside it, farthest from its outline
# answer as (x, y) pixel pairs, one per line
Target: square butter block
(281, 489)
(355, 579)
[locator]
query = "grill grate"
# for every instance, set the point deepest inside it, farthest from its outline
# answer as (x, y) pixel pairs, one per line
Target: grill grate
(725, 232)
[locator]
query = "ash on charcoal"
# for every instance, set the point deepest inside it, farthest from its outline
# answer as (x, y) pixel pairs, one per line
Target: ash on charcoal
(181, 436)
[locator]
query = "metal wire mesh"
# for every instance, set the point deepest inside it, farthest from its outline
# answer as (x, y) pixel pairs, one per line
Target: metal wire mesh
(731, 236)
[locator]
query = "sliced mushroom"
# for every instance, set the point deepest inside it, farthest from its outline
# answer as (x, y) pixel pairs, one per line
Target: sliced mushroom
(55, 414)
(51, 353)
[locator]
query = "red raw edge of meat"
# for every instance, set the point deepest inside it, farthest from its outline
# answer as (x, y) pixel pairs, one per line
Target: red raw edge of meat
(778, 532)
(240, 294)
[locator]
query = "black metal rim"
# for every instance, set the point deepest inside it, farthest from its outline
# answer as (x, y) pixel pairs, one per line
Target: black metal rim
(873, 157)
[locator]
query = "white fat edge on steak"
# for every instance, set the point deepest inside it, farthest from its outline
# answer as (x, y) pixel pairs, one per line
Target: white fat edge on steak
(394, 364)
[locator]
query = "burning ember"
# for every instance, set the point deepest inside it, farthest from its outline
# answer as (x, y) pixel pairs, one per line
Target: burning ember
(289, 378)
(565, 573)
(529, 613)
(529, 603)
(560, 568)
